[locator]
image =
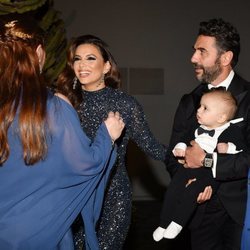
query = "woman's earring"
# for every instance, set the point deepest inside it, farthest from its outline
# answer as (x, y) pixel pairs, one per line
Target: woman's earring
(101, 81)
(74, 82)
(103, 78)
(40, 67)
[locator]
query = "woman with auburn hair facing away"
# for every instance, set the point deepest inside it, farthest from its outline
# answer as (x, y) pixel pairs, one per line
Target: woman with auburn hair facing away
(90, 80)
(49, 169)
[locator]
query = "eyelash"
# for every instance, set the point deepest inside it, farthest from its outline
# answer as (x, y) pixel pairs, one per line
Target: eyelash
(76, 59)
(91, 58)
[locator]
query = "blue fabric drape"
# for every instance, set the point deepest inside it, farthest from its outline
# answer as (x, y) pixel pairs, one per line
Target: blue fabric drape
(245, 242)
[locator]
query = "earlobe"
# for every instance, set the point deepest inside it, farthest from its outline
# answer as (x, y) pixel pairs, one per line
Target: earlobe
(227, 58)
(107, 67)
(39, 51)
(41, 56)
(222, 119)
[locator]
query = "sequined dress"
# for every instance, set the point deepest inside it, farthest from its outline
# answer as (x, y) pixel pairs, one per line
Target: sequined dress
(116, 215)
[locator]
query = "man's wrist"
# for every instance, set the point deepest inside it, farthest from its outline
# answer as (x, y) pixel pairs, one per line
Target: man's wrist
(208, 161)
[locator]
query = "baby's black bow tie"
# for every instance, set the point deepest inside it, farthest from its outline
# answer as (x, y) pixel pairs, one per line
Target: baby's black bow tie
(205, 131)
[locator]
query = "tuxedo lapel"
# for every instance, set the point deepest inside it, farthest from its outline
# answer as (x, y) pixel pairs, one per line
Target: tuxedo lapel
(238, 85)
(238, 88)
(240, 97)
(197, 93)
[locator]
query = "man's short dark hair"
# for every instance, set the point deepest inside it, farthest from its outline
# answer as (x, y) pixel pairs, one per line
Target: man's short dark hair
(226, 35)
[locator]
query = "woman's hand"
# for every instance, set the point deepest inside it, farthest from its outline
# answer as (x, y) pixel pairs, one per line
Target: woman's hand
(114, 124)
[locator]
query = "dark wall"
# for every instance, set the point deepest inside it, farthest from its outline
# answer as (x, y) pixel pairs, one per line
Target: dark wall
(152, 43)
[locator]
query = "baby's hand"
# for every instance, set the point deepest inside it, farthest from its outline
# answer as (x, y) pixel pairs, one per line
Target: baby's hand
(179, 152)
(222, 147)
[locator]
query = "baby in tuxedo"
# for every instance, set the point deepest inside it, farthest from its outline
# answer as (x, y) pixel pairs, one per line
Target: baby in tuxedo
(217, 133)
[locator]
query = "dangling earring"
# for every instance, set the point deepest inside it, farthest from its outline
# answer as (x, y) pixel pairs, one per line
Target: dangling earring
(101, 81)
(74, 82)
(40, 67)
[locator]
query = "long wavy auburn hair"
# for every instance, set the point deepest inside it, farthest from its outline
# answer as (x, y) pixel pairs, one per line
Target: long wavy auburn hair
(65, 80)
(23, 93)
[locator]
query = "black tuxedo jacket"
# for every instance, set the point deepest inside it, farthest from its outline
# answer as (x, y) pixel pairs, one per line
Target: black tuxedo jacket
(231, 170)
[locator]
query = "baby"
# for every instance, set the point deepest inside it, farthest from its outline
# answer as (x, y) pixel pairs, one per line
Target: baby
(217, 132)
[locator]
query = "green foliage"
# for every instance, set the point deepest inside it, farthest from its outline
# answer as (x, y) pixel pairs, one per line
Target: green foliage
(49, 19)
(19, 6)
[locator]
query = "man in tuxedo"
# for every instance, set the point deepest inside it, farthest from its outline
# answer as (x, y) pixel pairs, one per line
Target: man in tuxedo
(217, 223)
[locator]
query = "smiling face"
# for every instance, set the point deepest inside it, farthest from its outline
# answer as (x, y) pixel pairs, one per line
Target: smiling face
(89, 67)
(206, 60)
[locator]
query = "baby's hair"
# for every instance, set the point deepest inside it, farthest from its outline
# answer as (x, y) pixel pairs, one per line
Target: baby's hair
(226, 96)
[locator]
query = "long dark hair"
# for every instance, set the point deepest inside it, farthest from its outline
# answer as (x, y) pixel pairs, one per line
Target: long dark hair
(65, 79)
(22, 88)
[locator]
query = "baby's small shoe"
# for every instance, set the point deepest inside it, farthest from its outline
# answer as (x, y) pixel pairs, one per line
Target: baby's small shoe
(158, 233)
(172, 230)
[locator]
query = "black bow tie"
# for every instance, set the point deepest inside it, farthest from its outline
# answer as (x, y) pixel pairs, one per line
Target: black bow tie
(218, 88)
(205, 88)
(205, 131)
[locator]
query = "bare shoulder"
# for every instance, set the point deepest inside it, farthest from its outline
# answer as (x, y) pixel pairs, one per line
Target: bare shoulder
(65, 98)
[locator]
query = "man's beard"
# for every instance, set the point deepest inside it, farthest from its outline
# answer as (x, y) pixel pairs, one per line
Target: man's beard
(209, 73)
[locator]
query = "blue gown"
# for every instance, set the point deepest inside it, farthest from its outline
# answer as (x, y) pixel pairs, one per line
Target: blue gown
(39, 203)
(245, 243)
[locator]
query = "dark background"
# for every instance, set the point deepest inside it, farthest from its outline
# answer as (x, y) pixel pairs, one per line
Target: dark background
(152, 43)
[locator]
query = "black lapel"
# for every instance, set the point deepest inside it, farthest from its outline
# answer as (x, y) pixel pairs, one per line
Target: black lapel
(239, 88)
(197, 93)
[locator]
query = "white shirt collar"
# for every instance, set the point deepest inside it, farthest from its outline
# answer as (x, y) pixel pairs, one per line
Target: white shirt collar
(224, 83)
(221, 128)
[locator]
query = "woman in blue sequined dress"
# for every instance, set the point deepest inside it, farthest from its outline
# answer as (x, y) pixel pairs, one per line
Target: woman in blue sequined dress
(91, 80)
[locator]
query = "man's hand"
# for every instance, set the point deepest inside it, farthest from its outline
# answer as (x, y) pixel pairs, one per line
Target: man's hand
(205, 195)
(194, 156)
